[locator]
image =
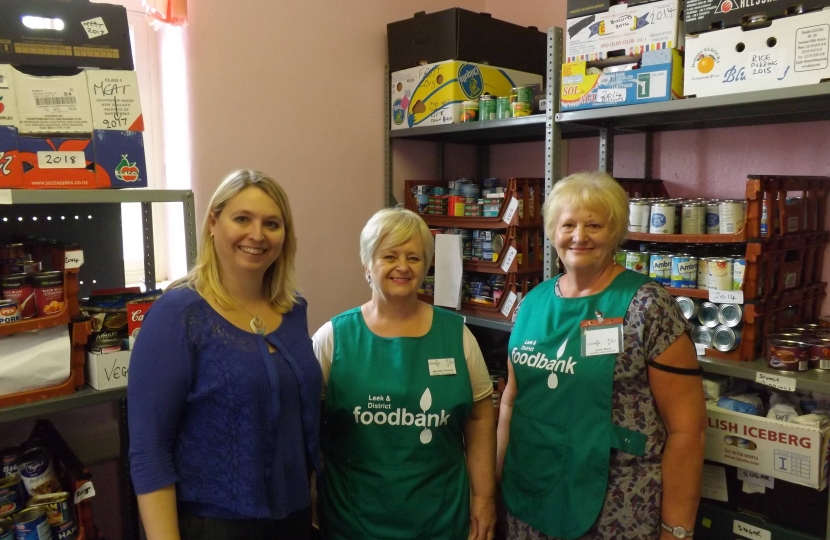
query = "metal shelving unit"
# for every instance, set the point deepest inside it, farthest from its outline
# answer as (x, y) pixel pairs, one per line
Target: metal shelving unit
(815, 380)
(81, 398)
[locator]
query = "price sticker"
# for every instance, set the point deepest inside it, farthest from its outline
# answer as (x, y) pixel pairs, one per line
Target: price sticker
(778, 382)
(61, 160)
(73, 259)
(508, 258)
(511, 209)
(726, 297)
(95, 27)
(84, 492)
(508, 304)
(611, 95)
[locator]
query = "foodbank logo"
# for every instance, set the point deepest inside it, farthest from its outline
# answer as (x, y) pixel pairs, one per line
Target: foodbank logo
(470, 80)
(126, 171)
(402, 417)
(398, 112)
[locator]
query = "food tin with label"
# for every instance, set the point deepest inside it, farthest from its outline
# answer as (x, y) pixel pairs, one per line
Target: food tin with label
(31, 524)
(37, 471)
(703, 272)
(688, 306)
(503, 109)
(732, 216)
(708, 314)
(639, 215)
(12, 497)
(712, 217)
(684, 271)
(659, 269)
(48, 293)
(693, 218)
(18, 287)
(720, 274)
(738, 274)
(487, 107)
(702, 335)
(57, 506)
(619, 257)
(6, 529)
(67, 530)
(9, 312)
(637, 261)
(518, 109)
(8, 461)
(730, 314)
(819, 353)
(469, 111)
(726, 339)
(787, 355)
(662, 218)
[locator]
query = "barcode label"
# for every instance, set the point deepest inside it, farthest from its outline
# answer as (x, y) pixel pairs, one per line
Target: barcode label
(730, 228)
(56, 100)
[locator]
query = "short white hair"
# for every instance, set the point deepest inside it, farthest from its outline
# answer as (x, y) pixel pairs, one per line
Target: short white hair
(398, 226)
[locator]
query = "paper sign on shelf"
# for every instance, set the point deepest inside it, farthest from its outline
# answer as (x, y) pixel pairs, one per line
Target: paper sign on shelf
(778, 382)
(749, 487)
(84, 492)
(714, 483)
(511, 209)
(508, 303)
(726, 297)
(73, 259)
(756, 478)
(508, 258)
(95, 27)
(750, 531)
(61, 160)
(449, 265)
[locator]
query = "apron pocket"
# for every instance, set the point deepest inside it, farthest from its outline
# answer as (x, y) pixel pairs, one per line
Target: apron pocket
(536, 456)
(403, 501)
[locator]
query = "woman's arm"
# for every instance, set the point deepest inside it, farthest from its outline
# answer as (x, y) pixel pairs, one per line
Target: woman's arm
(505, 414)
(161, 505)
(682, 407)
(480, 443)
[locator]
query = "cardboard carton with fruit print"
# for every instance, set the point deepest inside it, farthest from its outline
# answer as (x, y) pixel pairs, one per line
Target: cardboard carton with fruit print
(793, 51)
(705, 15)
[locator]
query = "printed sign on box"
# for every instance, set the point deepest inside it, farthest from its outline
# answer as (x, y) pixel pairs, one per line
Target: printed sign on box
(783, 450)
(52, 104)
(114, 99)
(630, 29)
(793, 51)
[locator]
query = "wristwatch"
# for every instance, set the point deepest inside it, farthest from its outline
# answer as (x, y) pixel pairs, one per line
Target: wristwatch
(677, 532)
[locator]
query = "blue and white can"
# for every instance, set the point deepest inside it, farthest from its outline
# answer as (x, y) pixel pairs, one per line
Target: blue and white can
(713, 217)
(660, 266)
(738, 274)
(684, 271)
(67, 530)
(662, 218)
(31, 524)
(37, 471)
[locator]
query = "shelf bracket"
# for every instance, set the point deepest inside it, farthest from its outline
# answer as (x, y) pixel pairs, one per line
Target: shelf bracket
(553, 133)
(190, 234)
(149, 248)
(388, 194)
(606, 150)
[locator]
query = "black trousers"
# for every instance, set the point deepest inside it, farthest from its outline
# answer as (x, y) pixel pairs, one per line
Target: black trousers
(295, 526)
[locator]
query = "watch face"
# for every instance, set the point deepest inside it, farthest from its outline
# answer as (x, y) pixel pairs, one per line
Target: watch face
(679, 532)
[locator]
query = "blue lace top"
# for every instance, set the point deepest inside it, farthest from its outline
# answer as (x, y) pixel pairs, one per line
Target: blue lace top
(210, 410)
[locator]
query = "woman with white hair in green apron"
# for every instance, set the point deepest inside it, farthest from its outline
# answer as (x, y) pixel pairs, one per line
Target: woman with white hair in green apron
(601, 429)
(408, 435)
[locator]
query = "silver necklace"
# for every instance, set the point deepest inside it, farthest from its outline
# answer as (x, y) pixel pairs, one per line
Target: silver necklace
(257, 324)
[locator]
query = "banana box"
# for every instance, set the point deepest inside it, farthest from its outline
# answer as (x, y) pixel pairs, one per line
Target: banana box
(432, 94)
(659, 77)
(792, 51)
(625, 30)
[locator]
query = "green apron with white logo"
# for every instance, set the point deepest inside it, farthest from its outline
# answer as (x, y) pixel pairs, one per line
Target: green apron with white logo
(393, 442)
(557, 459)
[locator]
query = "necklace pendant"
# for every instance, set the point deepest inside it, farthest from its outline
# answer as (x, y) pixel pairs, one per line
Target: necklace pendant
(257, 325)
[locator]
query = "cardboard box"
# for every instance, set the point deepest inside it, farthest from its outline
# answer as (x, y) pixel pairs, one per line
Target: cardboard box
(69, 34)
(789, 52)
(659, 78)
(114, 100)
(104, 371)
(458, 34)
(52, 104)
(624, 30)
(136, 311)
(11, 168)
(783, 450)
(580, 8)
(705, 15)
(432, 94)
(717, 523)
(8, 100)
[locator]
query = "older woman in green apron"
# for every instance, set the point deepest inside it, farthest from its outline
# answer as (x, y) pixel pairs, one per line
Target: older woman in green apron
(601, 433)
(409, 428)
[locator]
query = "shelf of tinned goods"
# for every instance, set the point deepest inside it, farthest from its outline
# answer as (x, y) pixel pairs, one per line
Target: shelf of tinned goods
(65, 316)
(814, 380)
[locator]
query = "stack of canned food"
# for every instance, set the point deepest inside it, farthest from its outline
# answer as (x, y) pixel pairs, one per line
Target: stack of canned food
(477, 244)
(686, 216)
(687, 270)
(463, 197)
(32, 503)
(28, 291)
(799, 348)
(490, 107)
(486, 289)
(716, 325)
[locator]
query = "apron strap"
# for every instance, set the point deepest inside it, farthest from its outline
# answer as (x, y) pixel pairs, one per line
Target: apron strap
(632, 442)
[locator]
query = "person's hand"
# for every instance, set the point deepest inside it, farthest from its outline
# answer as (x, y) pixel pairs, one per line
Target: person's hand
(482, 518)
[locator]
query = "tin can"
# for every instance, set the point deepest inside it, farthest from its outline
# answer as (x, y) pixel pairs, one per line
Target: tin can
(688, 306)
(693, 218)
(48, 293)
(713, 217)
(31, 524)
(503, 109)
(469, 111)
(9, 312)
(57, 507)
(732, 216)
(819, 353)
(639, 215)
(37, 471)
(619, 257)
(738, 274)
(67, 530)
(703, 273)
(730, 314)
(8, 461)
(12, 497)
(720, 274)
(519, 108)
(637, 261)
(486, 107)
(522, 94)
(725, 338)
(766, 205)
(659, 268)
(662, 218)
(18, 287)
(788, 355)
(708, 314)
(702, 335)
(6, 529)
(684, 271)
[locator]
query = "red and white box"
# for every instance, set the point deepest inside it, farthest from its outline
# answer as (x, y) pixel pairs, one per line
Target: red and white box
(135, 316)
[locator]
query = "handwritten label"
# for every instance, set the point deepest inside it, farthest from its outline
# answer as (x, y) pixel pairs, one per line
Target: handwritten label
(508, 258)
(114, 99)
(61, 160)
(84, 492)
(714, 483)
(756, 478)
(5, 196)
(767, 64)
(610, 95)
(508, 303)
(750, 531)
(73, 259)
(726, 297)
(511, 209)
(95, 27)
(776, 381)
(700, 349)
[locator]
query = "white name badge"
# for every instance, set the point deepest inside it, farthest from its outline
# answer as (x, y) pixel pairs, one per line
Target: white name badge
(441, 366)
(602, 337)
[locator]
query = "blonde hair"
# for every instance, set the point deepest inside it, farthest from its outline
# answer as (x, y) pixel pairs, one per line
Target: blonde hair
(596, 191)
(398, 226)
(279, 283)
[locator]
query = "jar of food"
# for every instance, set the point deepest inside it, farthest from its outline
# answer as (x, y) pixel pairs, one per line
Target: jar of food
(49, 293)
